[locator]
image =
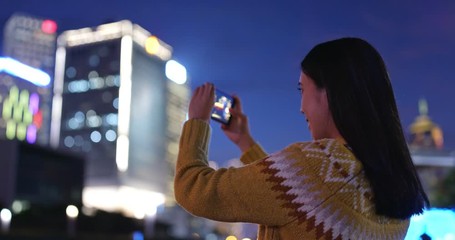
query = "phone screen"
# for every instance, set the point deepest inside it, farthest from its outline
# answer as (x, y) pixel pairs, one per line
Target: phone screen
(220, 111)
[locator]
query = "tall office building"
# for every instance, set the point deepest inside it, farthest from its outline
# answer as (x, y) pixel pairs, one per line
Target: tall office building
(31, 41)
(121, 99)
(21, 100)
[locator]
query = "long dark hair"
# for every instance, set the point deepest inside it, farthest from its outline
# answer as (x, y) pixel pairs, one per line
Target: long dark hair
(363, 106)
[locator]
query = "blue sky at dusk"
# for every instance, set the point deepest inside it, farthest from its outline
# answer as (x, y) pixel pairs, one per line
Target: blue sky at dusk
(254, 48)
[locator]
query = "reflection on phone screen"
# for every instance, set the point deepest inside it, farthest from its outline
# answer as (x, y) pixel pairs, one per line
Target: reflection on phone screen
(220, 111)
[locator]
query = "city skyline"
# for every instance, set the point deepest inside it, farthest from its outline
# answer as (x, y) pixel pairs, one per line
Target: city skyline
(31, 41)
(255, 51)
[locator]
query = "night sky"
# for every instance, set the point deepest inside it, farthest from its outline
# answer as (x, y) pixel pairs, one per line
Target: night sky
(254, 49)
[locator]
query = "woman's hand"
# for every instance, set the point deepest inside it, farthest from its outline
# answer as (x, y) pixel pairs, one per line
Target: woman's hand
(201, 103)
(238, 130)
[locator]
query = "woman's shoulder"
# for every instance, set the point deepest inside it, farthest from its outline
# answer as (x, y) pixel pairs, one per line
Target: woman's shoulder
(320, 156)
(321, 146)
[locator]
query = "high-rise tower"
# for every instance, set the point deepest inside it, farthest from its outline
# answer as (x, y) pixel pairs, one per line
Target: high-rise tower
(21, 100)
(120, 99)
(31, 41)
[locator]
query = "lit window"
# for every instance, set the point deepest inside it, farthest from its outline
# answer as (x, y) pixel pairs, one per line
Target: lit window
(95, 136)
(93, 74)
(93, 120)
(115, 103)
(176, 72)
(73, 124)
(111, 135)
(68, 141)
(79, 116)
(110, 81)
(112, 119)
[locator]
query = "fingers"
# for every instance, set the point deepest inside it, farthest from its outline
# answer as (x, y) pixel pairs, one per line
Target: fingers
(201, 102)
(202, 88)
(237, 104)
(237, 110)
(205, 90)
(209, 89)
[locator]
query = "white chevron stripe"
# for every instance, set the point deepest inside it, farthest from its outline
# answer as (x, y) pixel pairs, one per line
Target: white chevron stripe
(278, 163)
(308, 207)
(321, 214)
(293, 182)
(339, 225)
(284, 170)
(296, 185)
(308, 201)
(304, 190)
(347, 232)
(288, 173)
(331, 220)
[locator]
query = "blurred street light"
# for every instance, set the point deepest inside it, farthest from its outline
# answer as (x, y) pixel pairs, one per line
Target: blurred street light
(5, 216)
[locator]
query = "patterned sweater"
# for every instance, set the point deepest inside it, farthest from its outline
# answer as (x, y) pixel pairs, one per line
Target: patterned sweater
(309, 190)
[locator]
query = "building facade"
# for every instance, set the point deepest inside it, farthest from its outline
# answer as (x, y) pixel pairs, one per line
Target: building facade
(31, 41)
(22, 102)
(122, 100)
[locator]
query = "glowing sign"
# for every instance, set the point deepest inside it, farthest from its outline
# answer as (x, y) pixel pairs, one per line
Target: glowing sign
(22, 115)
(152, 45)
(156, 47)
(18, 69)
(175, 72)
(49, 26)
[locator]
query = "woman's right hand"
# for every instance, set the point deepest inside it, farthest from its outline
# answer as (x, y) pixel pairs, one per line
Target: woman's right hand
(238, 130)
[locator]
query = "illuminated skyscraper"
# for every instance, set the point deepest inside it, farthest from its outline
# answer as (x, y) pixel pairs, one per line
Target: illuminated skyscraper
(115, 101)
(21, 102)
(31, 41)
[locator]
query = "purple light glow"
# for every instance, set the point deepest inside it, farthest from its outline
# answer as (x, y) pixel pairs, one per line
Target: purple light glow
(34, 103)
(31, 133)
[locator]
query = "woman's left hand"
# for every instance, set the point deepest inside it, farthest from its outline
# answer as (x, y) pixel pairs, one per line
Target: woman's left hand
(201, 103)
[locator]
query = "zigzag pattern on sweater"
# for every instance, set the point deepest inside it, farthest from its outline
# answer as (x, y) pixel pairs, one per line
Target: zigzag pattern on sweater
(303, 195)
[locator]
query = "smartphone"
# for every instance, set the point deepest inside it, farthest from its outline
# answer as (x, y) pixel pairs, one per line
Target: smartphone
(220, 110)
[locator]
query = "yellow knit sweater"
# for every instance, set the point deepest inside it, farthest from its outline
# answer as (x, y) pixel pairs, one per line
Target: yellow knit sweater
(309, 190)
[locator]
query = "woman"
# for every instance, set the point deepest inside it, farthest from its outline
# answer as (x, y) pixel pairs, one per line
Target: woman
(355, 180)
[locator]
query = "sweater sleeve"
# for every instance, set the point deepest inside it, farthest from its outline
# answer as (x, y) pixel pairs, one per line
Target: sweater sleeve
(234, 194)
(255, 152)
